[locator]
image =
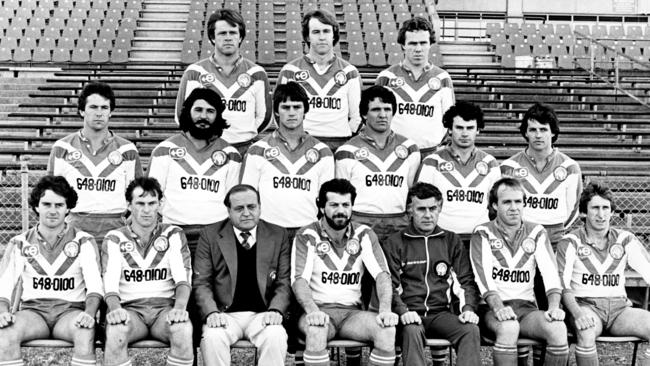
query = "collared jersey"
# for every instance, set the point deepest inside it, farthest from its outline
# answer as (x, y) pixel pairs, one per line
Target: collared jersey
(552, 193)
(507, 267)
(136, 270)
(194, 181)
(381, 176)
(421, 103)
(334, 95)
(66, 270)
(334, 274)
(587, 271)
(288, 181)
(244, 92)
(100, 178)
(465, 187)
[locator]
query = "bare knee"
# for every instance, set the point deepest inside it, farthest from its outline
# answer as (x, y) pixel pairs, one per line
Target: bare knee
(84, 341)
(117, 336)
(180, 331)
(217, 335)
(586, 337)
(384, 338)
(507, 332)
(316, 338)
(9, 340)
(556, 333)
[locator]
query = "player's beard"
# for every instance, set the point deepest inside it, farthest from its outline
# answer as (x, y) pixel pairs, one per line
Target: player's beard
(336, 226)
(202, 133)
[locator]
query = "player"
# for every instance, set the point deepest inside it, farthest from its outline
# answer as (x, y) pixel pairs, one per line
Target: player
(333, 85)
(147, 271)
(328, 259)
(61, 283)
(424, 91)
(592, 262)
(241, 84)
(97, 163)
(505, 253)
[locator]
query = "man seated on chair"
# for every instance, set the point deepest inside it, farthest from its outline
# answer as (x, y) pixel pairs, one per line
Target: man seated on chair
(241, 281)
(427, 263)
(592, 262)
(328, 258)
(504, 254)
(147, 271)
(61, 282)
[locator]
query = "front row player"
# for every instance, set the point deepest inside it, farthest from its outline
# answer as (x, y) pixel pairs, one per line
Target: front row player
(147, 274)
(59, 267)
(505, 253)
(592, 262)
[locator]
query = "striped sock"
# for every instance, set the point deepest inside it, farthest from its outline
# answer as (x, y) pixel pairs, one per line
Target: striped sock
(522, 355)
(586, 356)
(125, 363)
(557, 355)
(438, 355)
(176, 361)
(318, 358)
(539, 353)
(503, 355)
(381, 358)
(298, 358)
(353, 356)
(76, 361)
(18, 362)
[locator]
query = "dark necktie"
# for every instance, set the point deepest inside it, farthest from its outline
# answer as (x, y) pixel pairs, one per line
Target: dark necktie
(244, 239)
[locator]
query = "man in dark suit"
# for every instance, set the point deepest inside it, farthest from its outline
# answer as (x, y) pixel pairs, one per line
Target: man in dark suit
(246, 304)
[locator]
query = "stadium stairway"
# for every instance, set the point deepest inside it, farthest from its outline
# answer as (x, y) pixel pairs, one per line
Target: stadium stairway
(160, 31)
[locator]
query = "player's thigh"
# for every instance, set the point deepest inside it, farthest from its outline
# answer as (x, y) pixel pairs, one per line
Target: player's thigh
(631, 322)
(534, 325)
(66, 329)
(362, 326)
(29, 325)
(447, 325)
(306, 328)
(162, 330)
(135, 328)
(589, 333)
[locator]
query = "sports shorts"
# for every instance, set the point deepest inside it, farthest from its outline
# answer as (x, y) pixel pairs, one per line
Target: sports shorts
(339, 313)
(521, 308)
(607, 308)
(51, 310)
(149, 309)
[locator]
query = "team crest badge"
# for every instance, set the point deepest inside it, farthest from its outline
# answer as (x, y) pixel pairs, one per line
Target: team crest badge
(441, 269)
(323, 248)
(30, 250)
(434, 83)
(207, 78)
(127, 246)
(177, 153)
(219, 158)
(352, 247)
(161, 244)
(340, 78)
(617, 251)
(71, 249)
(301, 75)
(482, 168)
(244, 80)
(446, 166)
(361, 154)
(273, 275)
(496, 243)
(401, 151)
(584, 251)
(560, 173)
(115, 158)
(73, 155)
(271, 153)
(312, 155)
(396, 82)
(529, 246)
(520, 173)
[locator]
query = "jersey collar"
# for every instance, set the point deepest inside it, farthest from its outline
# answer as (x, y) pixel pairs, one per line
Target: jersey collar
(412, 232)
(454, 154)
(550, 156)
(154, 234)
(363, 135)
(313, 62)
(238, 62)
(582, 234)
(105, 141)
(519, 234)
(322, 224)
(278, 135)
(59, 236)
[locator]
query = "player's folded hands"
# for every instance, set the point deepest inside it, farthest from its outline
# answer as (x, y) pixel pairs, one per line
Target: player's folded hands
(6, 319)
(468, 317)
(410, 317)
(554, 315)
(387, 319)
(317, 319)
(177, 316)
(215, 320)
(505, 313)
(117, 316)
(84, 320)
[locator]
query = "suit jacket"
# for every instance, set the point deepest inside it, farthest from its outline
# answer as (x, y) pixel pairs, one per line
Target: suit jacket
(215, 267)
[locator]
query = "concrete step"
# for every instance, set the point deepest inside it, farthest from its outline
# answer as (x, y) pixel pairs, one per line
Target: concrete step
(160, 32)
(162, 23)
(164, 14)
(154, 54)
(465, 47)
(164, 5)
(171, 44)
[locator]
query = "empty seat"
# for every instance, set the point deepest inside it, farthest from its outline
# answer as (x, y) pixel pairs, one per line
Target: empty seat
(42, 54)
(559, 50)
(492, 28)
(583, 29)
(61, 55)
(511, 28)
(528, 29)
(99, 55)
(635, 31)
(545, 29)
(503, 49)
(46, 42)
(534, 40)
(5, 53)
(14, 32)
(82, 4)
(508, 61)
(498, 38)
(563, 29)
(22, 54)
(80, 55)
(569, 39)
(565, 62)
(522, 50)
(37, 22)
(9, 42)
(28, 42)
(616, 31)
(540, 50)
(79, 13)
(599, 30)
(552, 39)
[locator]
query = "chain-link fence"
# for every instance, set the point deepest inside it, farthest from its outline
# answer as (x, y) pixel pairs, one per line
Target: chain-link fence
(14, 210)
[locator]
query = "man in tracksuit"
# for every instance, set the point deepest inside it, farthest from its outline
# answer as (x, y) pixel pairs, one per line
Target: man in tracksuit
(427, 262)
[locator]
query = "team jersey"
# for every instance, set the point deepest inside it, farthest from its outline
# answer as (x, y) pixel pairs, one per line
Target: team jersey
(421, 103)
(244, 92)
(334, 274)
(194, 181)
(551, 194)
(465, 187)
(334, 95)
(507, 267)
(99, 177)
(134, 269)
(288, 181)
(67, 270)
(587, 271)
(381, 176)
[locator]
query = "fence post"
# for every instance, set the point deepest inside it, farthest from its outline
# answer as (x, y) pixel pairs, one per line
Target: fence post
(24, 194)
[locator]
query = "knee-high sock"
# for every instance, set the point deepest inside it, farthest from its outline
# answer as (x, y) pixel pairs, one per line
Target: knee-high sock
(586, 356)
(381, 358)
(504, 355)
(539, 354)
(18, 362)
(176, 361)
(318, 358)
(438, 355)
(644, 359)
(557, 355)
(76, 361)
(353, 356)
(522, 355)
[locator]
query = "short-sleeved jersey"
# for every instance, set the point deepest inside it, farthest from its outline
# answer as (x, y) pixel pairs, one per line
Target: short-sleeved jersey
(244, 92)
(288, 180)
(507, 267)
(334, 273)
(587, 271)
(421, 103)
(134, 269)
(551, 194)
(465, 187)
(334, 95)
(194, 181)
(99, 177)
(381, 176)
(67, 270)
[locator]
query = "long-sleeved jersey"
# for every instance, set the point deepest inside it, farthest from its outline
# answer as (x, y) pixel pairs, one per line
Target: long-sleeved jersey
(288, 181)
(587, 271)
(66, 270)
(99, 177)
(465, 187)
(334, 274)
(551, 194)
(421, 103)
(507, 266)
(244, 92)
(194, 181)
(381, 176)
(137, 270)
(426, 269)
(334, 95)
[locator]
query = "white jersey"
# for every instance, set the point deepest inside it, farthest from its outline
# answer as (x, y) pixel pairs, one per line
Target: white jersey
(421, 103)
(465, 187)
(99, 177)
(587, 271)
(334, 95)
(382, 177)
(137, 270)
(288, 181)
(194, 181)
